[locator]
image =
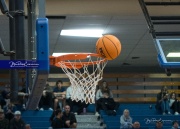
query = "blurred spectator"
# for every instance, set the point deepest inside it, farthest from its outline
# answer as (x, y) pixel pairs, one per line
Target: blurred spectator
(136, 125)
(174, 103)
(99, 94)
(47, 98)
(102, 89)
(80, 105)
(17, 122)
(159, 124)
(175, 125)
(126, 120)
(9, 111)
(27, 126)
(53, 114)
(5, 96)
(4, 123)
(23, 96)
(162, 101)
(57, 121)
(107, 104)
(59, 94)
(69, 118)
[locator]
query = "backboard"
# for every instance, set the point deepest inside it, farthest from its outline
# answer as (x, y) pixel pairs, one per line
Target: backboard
(168, 52)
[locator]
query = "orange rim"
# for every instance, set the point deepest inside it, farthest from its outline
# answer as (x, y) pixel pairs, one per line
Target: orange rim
(66, 60)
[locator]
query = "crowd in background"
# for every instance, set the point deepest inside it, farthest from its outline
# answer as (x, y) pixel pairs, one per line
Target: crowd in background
(65, 109)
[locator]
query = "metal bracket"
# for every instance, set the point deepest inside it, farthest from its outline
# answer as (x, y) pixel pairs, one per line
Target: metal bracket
(10, 53)
(16, 13)
(3, 51)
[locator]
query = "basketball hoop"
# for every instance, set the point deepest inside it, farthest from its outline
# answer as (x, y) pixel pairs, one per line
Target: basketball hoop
(83, 78)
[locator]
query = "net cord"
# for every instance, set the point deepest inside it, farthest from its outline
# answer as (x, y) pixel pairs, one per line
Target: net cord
(84, 82)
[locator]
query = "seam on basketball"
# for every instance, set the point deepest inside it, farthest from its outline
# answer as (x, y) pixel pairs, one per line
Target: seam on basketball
(105, 48)
(114, 46)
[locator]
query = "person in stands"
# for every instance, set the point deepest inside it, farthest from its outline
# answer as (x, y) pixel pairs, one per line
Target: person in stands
(175, 125)
(53, 115)
(69, 118)
(23, 96)
(5, 96)
(174, 103)
(17, 122)
(4, 123)
(72, 103)
(136, 125)
(126, 120)
(159, 124)
(99, 94)
(27, 126)
(46, 98)
(57, 121)
(162, 103)
(107, 104)
(9, 111)
(60, 95)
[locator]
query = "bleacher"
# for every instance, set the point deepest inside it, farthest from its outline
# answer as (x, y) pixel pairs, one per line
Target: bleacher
(40, 119)
(37, 119)
(146, 114)
(126, 87)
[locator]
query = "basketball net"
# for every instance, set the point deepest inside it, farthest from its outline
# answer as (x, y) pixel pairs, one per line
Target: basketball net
(82, 80)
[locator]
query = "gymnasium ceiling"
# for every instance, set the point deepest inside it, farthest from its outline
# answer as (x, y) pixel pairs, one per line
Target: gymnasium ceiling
(122, 18)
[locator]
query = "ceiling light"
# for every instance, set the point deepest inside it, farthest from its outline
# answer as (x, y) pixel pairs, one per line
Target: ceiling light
(173, 54)
(83, 32)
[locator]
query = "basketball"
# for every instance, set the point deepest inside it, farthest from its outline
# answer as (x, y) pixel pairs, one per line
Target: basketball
(108, 47)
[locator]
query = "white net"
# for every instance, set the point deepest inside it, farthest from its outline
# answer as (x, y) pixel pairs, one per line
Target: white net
(85, 79)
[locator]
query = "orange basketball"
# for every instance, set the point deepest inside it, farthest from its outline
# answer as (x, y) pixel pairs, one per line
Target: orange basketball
(108, 47)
